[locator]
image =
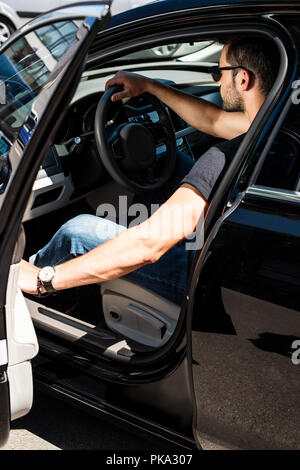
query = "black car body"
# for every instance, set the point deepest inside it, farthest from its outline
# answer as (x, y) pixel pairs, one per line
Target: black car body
(228, 371)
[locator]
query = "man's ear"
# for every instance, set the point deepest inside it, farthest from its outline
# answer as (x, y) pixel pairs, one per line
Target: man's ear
(245, 80)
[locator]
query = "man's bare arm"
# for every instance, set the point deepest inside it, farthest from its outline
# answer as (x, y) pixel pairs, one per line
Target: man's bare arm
(198, 113)
(131, 249)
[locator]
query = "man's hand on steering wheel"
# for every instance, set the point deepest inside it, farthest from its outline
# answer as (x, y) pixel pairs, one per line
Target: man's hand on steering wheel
(133, 85)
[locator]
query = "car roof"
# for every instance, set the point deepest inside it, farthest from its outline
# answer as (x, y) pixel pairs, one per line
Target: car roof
(170, 6)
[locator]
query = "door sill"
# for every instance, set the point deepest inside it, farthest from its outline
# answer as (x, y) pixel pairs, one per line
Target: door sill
(93, 338)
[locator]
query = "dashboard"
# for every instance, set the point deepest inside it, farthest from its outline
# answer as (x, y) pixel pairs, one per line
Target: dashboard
(73, 169)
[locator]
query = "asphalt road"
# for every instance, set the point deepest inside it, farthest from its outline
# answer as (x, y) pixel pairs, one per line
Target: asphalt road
(53, 425)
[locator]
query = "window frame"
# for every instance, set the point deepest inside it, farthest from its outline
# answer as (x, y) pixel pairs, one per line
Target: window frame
(268, 191)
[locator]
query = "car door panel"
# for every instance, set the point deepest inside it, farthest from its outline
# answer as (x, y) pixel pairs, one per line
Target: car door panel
(22, 344)
(4, 408)
(3, 352)
(30, 113)
(248, 319)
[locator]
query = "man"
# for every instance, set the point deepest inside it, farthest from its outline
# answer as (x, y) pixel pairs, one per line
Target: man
(152, 253)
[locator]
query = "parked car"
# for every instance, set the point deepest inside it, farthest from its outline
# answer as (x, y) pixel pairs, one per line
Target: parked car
(220, 370)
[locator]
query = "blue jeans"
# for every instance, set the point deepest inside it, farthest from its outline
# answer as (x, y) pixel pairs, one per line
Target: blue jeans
(167, 277)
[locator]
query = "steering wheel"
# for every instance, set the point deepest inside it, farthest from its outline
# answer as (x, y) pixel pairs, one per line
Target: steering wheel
(127, 147)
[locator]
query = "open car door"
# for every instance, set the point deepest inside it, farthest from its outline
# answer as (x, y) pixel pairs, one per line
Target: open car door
(40, 66)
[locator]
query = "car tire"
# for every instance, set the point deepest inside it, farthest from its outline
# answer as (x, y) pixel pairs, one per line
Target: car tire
(6, 29)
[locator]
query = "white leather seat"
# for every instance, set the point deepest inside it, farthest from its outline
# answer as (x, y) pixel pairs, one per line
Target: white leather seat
(138, 313)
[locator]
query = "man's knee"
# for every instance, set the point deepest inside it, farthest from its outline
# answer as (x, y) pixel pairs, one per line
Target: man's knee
(89, 230)
(81, 225)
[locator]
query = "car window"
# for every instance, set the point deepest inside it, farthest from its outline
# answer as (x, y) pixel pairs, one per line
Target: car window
(25, 69)
(201, 51)
(281, 166)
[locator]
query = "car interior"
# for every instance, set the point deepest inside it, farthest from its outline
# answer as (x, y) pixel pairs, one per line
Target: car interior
(118, 319)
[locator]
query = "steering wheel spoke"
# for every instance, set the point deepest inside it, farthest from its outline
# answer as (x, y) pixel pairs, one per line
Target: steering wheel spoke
(148, 176)
(113, 140)
(158, 132)
(117, 149)
(151, 175)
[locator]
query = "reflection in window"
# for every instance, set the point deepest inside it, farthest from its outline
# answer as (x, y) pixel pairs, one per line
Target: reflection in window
(197, 52)
(5, 167)
(25, 67)
(57, 37)
(281, 167)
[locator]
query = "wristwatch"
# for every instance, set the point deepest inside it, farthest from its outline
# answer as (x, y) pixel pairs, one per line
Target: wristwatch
(44, 278)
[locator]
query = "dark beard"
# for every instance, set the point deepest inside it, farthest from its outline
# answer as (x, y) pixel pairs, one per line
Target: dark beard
(233, 102)
(237, 106)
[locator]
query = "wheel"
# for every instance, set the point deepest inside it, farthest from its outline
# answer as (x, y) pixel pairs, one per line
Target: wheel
(6, 29)
(127, 139)
(165, 51)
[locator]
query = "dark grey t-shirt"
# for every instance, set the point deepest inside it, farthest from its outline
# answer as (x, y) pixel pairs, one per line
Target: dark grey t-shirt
(208, 168)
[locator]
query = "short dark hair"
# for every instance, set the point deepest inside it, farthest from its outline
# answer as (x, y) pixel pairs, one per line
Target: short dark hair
(258, 54)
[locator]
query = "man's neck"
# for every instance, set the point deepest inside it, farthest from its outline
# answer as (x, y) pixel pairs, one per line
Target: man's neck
(253, 105)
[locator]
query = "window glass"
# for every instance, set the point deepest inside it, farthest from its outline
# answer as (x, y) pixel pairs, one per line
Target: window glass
(281, 166)
(57, 37)
(200, 51)
(25, 68)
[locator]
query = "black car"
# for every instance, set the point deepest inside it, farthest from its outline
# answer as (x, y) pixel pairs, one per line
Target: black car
(223, 366)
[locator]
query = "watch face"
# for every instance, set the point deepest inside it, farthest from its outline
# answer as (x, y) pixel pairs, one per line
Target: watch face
(46, 274)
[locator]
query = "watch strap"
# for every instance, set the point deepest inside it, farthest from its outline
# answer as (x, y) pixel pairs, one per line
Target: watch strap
(39, 284)
(49, 287)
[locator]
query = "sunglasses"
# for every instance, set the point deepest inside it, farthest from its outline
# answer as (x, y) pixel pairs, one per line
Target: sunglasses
(216, 72)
